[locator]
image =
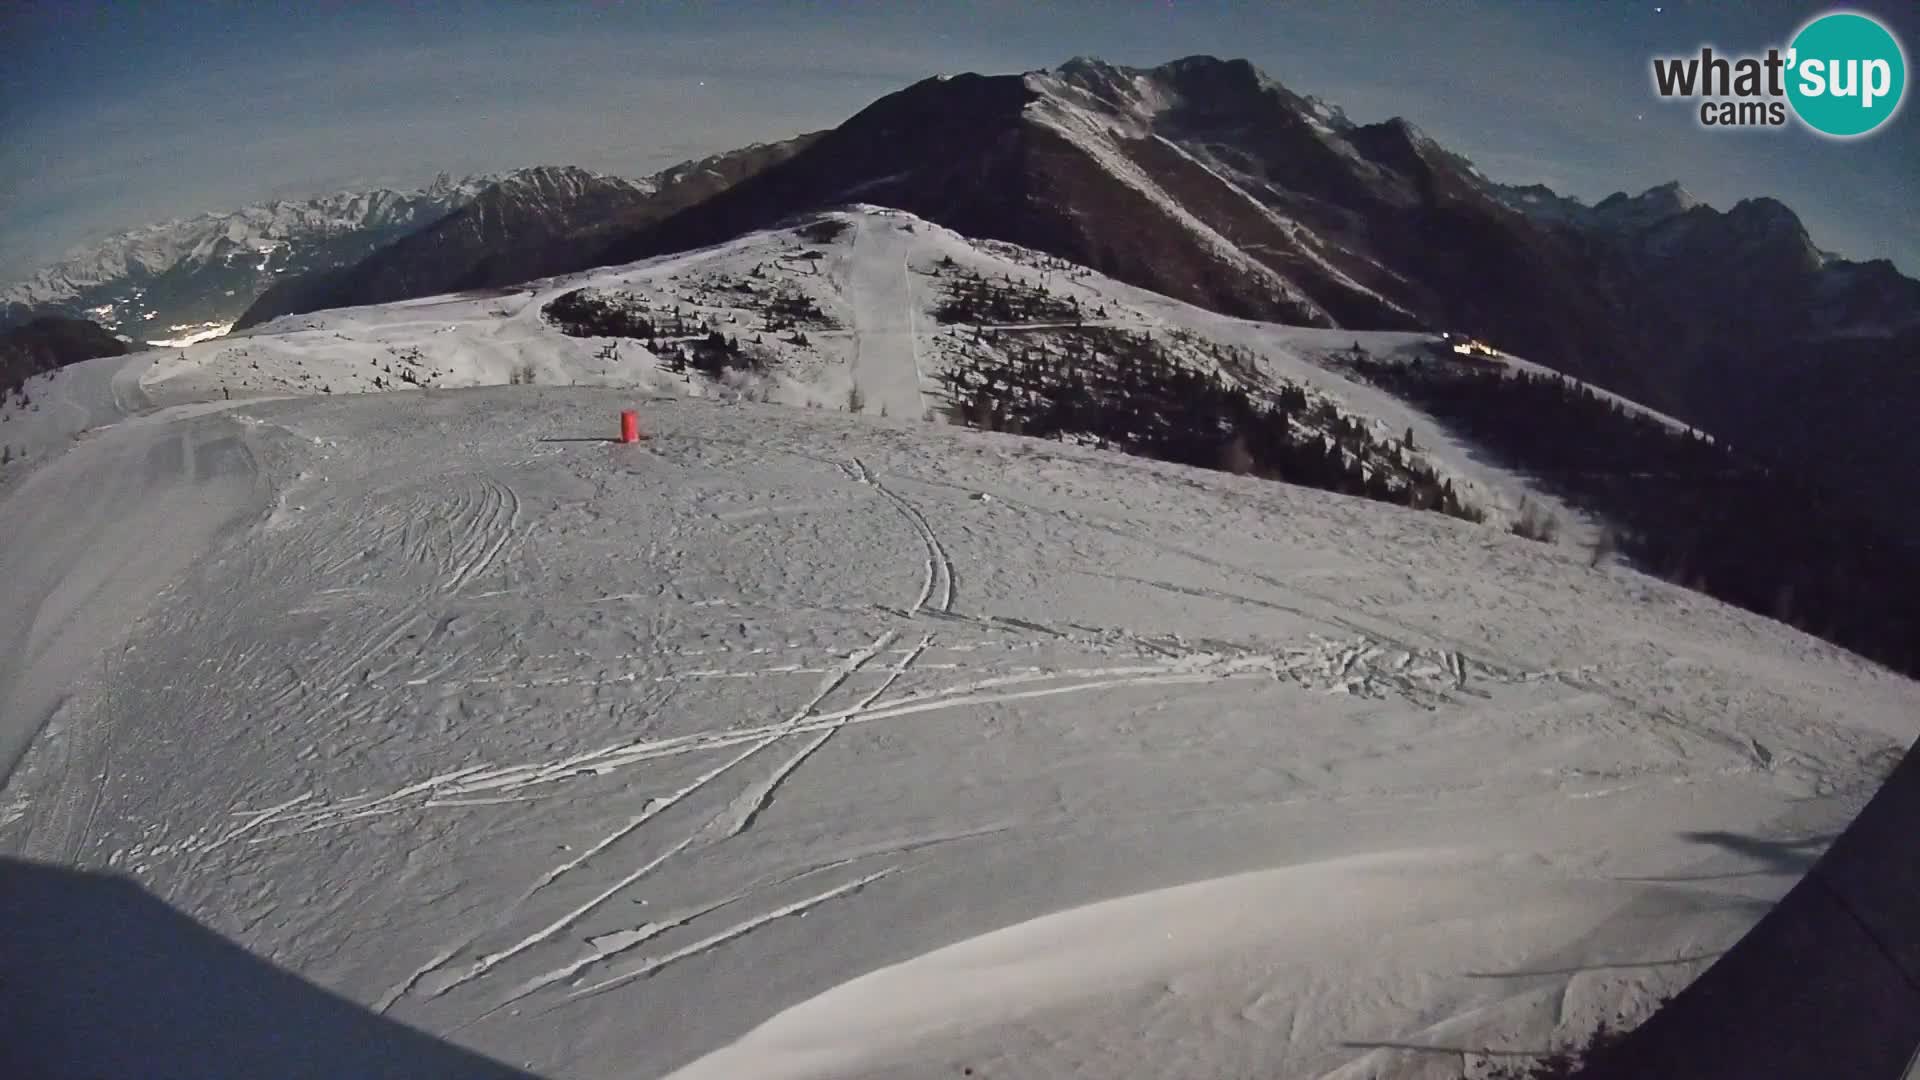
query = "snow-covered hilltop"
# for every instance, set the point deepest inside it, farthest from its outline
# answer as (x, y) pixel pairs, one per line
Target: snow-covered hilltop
(848, 306)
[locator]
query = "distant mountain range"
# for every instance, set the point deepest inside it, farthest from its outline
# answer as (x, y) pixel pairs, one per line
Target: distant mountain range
(1737, 322)
(199, 277)
(1201, 179)
(528, 224)
(194, 276)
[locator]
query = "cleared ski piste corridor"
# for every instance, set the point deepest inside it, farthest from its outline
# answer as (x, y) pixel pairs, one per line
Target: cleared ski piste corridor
(886, 356)
(797, 744)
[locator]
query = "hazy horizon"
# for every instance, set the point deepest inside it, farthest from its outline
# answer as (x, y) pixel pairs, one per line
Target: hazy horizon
(123, 118)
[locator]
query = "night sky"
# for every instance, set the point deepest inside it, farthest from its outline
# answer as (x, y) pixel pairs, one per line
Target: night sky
(116, 115)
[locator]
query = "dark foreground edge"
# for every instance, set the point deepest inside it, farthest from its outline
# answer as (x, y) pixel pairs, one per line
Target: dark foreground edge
(101, 979)
(1827, 984)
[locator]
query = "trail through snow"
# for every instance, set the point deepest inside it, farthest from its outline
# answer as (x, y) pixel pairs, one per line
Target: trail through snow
(886, 365)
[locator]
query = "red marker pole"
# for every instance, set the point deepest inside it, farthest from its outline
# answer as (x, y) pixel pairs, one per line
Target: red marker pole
(629, 426)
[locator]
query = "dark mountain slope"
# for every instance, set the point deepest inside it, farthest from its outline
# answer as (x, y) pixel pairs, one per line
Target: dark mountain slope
(50, 342)
(531, 224)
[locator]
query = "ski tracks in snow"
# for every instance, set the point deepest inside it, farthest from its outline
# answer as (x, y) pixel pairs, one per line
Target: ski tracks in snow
(731, 820)
(455, 531)
(937, 586)
(740, 814)
(541, 919)
(81, 732)
(1357, 666)
(1352, 667)
(489, 527)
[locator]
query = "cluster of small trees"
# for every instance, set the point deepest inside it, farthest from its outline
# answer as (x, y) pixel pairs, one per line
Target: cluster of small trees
(680, 346)
(410, 359)
(1536, 523)
(406, 375)
(715, 354)
(590, 312)
(594, 313)
(790, 309)
(1123, 390)
(1752, 533)
(969, 298)
(824, 231)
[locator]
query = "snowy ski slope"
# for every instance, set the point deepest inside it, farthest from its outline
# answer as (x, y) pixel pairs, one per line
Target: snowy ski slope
(791, 743)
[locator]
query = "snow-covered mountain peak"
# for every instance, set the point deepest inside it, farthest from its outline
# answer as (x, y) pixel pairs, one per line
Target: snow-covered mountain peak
(1105, 95)
(1142, 98)
(564, 181)
(1402, 136)
(1672, 196)
(1328, 113)
(446, 184)
(1645, 210)
(1090, 69)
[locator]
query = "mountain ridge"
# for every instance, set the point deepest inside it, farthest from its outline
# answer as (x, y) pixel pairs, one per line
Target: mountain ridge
(193, 275)
(528, 224)
(1260, 203)
(1211, 182)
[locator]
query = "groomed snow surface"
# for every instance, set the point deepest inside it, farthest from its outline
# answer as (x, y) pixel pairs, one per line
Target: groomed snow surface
(790, 743)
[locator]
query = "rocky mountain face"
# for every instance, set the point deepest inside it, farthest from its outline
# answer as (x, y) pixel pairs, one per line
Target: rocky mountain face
(450, 252)
(1206, 180)
(195, 276)
(1201, 179)
(1749, 276)
(1742, 325)
(529, 224)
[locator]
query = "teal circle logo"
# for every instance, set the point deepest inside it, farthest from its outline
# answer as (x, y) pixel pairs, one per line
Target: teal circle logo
(1847, 74)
